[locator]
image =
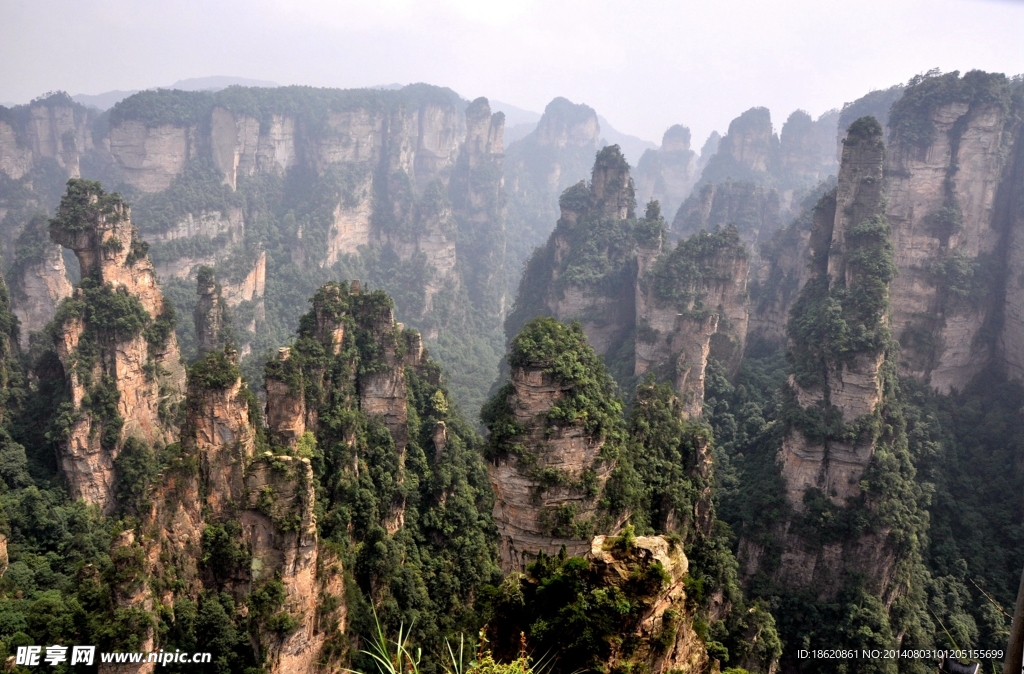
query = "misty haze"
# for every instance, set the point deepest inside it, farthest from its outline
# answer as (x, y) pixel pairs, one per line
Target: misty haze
(528, 338)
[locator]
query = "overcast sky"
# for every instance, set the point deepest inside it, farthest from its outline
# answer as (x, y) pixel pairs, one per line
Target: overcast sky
(642, 65)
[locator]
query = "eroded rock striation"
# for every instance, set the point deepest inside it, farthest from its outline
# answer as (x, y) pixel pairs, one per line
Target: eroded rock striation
(663, 627)
(690, 300)
(645, 305)
(405, 186)
(39, 280)
(842, 388)
(555, 430)
(852, 261)
(115, 339)
(953, 166)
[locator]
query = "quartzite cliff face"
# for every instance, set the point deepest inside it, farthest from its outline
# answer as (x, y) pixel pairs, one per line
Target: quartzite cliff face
(295, 184)
(116, 342)
(851, 384)
(645, 305)
(548, 471)
(954, 171)
(840, 347)
(667, 175)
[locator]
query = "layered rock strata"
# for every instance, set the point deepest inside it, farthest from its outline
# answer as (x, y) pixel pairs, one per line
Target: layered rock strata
(39, 280)
(525, 509)
(129, 357)
(261, 503)
(852, 383)
(952, 173)
(54, 127)
(645, 305)
(211, 317)
(689, 300)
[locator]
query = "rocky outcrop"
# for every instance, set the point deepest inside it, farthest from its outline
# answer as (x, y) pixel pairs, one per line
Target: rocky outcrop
(241, 145)
(951, 143)
(286, 404)
(849, 382)
(558, 153)
(352, 225)
(790, 164)
(211, 313)
(38, 279)
(115, 341)
(667, 175)
(685, 299)
(839, 407)
(1010, 210)
(807, 149)
(54, 127)
(150, 157)
(547, 470)
(747, 152)
(551, 286)
(15, 157)
(640, 301)
(478, 197)
(229, 225)
(218, 492)
(280, 529)
(754, 210)
(251, 287)
(40, 290)
(524, 510)
(663, 613)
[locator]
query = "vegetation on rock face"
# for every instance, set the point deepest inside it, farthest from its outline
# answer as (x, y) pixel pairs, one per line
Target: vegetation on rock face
(596, 252)
(910, 119)
(199, 189)
(934, 494)
(875, 104)
(427, 572)
(83, 205)
(561, 352)
(678, 275)
(528, 163)
(832, 323)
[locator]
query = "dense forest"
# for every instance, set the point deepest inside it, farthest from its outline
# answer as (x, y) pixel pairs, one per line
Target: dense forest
(335, 380)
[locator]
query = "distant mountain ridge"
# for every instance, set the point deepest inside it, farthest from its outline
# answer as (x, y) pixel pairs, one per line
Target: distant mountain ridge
(108, 99)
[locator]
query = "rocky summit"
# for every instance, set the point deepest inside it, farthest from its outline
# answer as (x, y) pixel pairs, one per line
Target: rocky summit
(286, 372)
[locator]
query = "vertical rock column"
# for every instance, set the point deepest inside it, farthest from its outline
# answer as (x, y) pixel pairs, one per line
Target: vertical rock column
(547, 472)
(832, 372)
(116, 343)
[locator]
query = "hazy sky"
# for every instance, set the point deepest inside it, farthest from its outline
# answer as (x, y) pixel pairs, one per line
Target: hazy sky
(643, 65)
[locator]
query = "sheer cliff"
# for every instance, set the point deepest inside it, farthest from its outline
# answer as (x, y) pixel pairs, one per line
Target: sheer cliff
(756, 177)
(566, 463)
(645, 305)
(270, 543)
(279, 190)
(556, 432)
(954, 167)
(555, 155)
(667, 175)
(115, 340)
